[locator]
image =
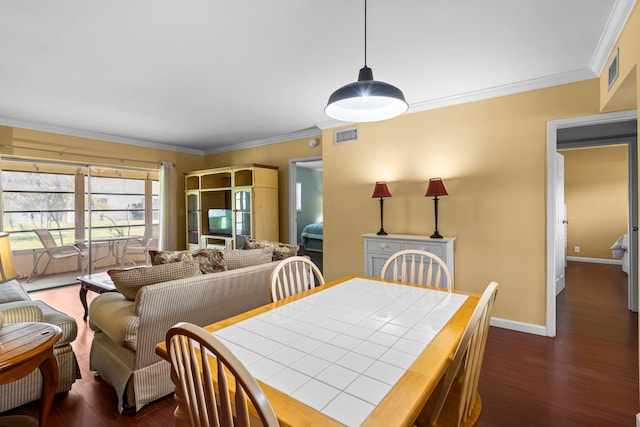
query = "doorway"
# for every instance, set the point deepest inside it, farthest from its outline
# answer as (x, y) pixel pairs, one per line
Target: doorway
(603, 129)
(305, 202)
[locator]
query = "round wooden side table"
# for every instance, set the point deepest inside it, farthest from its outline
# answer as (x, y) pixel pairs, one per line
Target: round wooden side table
(25, 347)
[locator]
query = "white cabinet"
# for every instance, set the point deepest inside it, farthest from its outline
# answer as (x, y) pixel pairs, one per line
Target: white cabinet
(377, 249)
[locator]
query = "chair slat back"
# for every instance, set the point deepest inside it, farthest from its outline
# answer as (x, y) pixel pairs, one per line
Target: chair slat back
(47, 240)
(197, 357)
(419, 268)
(294, 275)
(467, 359)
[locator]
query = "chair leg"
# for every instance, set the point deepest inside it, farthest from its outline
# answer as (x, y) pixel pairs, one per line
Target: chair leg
(35, 266)
(123, 256)
(82, 267)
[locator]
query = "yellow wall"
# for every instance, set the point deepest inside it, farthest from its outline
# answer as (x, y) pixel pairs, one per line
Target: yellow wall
(272, 155)
(492, 157)
(623, 93)
(596, 194)
(24, 143)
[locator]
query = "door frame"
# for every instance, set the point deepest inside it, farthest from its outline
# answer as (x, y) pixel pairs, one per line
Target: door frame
(552, 145)
(293, 213)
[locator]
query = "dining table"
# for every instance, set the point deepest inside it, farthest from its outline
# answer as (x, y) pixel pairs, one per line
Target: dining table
(357, 351)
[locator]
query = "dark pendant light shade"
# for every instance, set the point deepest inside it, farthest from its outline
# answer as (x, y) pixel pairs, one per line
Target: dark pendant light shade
(366, 100)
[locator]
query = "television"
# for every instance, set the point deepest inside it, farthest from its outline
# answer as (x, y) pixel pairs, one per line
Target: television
(220, 221)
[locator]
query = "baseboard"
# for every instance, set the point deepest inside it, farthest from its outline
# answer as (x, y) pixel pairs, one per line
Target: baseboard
(542, 330)
(518, 326)
(595, 260)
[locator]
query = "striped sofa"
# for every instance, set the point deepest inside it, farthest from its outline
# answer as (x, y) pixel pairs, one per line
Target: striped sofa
(17, 306)
(126, 331)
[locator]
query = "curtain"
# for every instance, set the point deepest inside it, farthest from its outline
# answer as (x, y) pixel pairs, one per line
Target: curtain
(167, 240)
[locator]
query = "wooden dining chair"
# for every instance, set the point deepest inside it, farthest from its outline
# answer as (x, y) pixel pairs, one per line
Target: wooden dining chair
(458, 402)
(419, 268)
(294, 275)
(215, 389)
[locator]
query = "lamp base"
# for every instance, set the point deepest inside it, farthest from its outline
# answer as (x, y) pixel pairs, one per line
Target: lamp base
(381, 232)
(436, 235)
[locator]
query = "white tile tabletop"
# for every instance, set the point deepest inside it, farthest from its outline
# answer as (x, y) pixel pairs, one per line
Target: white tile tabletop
(341, 350)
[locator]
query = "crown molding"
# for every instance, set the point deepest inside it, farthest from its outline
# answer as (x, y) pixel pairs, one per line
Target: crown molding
(304, 133)
(95, 135)
(503, 90)
(615, 24)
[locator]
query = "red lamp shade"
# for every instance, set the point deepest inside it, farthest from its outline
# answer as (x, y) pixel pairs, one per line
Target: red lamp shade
(381, 190)
(436, 188)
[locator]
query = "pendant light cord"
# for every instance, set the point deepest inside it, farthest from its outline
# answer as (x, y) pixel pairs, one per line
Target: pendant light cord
(365, 33)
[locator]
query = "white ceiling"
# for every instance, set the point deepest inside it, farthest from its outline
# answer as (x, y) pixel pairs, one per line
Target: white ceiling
(205, 75)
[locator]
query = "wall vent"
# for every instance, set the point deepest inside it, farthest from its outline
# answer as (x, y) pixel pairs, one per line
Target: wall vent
(344, 136)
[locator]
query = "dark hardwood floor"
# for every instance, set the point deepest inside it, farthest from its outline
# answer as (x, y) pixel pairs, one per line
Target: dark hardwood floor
(586, 376)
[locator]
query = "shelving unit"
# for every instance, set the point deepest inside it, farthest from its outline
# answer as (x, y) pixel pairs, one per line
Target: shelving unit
(226, 204)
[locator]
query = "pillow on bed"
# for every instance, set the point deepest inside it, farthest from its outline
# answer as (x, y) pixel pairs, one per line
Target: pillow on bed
(129, 281)
(280, 250)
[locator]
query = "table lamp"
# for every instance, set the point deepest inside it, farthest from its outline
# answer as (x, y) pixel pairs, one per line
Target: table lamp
(435, 189)
(381, 191)
(7, 269)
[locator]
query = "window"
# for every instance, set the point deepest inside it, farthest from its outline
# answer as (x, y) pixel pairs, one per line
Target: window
(75, 202)
(119, 205)
(32, 200)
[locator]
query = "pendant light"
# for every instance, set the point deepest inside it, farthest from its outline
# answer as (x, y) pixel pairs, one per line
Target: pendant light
(366, 100)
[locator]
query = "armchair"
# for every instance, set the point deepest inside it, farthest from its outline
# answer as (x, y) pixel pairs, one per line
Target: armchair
(17, 306)
(22, 313)
(56, 252)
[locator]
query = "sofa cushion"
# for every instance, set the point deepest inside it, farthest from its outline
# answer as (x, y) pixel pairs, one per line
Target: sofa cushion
(280, 250)
(129, 281)
(12, 291)
(239, 258)
(210, 260)
(165, 257)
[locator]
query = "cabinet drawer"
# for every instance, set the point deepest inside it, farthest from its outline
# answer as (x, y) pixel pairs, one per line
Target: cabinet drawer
(382, 246)
(434, 249)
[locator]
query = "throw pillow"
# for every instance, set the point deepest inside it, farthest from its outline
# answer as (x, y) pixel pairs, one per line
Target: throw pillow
(165, 257)
(280, 250)
(238, 258)
(210, 260)
(129, 281)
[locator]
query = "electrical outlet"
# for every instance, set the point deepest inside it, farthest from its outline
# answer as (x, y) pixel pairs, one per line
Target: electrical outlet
(576, 249)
